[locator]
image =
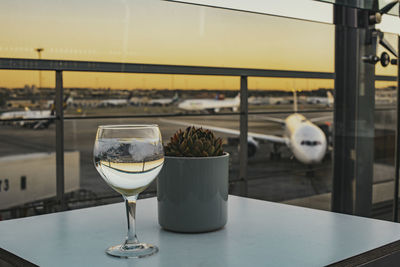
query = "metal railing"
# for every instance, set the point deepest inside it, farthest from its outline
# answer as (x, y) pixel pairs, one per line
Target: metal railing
(87, 66)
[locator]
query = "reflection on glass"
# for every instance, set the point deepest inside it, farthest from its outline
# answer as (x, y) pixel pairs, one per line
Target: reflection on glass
(374, 5)
(384, 153)
(390, 69)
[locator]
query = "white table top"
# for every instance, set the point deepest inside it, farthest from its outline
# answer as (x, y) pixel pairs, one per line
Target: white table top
(258, 233)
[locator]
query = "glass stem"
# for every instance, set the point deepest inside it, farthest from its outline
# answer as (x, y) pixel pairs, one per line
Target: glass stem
(131, 239)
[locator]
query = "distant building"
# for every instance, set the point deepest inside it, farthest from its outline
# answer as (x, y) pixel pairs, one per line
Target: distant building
(28, 102)
(21, 103)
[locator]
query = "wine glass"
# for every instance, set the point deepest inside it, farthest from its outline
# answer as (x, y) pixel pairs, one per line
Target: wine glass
(128, 158)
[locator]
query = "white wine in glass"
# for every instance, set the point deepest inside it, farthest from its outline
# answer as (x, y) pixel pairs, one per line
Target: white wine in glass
(128, 158)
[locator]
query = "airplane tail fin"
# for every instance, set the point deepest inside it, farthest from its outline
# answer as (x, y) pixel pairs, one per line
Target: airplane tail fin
(330, 98)
(66, 97)
(237, 98)
(176, 97)
(295, 108)
(130, 95)
(65, 104)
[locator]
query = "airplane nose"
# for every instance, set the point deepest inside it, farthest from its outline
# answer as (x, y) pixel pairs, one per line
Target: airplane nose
(318, 155)
(314, 161)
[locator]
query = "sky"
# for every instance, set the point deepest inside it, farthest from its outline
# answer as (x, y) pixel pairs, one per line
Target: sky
(161, 32)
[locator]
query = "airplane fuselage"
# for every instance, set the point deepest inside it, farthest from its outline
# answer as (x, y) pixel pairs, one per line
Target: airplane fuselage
(328, 100)
(114, 102)
(28, 114)
(306, 140)
(210, 104)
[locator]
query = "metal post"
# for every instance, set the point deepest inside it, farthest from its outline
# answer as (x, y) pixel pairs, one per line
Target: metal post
(397, 155)
(353, 113)
(243, 132)
(60, 139)
(39, 51)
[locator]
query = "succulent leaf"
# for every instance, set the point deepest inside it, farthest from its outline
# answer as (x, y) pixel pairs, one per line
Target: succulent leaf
(194, 142)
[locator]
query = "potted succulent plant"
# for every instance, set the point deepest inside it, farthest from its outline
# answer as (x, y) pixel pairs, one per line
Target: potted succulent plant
(192, 187)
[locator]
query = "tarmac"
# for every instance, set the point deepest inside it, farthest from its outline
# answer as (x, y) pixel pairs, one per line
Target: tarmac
(280, 180)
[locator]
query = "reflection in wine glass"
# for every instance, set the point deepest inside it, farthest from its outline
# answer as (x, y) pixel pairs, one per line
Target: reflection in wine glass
(128, 158)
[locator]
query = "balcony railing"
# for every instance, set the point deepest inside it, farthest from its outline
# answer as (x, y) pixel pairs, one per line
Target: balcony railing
(87, 66)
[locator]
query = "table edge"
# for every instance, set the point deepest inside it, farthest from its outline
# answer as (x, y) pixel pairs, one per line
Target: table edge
(14, 260)
(388, 253)
(374, 257)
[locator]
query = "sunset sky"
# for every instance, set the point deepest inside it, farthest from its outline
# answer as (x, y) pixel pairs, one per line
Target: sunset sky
(150, 31)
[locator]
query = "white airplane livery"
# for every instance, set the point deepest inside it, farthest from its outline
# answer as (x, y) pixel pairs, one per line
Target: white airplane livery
(30, 114)
(306, 140)
(212, 105)
(35, 119)
(328, 100)
(164, 101)
(114, 102)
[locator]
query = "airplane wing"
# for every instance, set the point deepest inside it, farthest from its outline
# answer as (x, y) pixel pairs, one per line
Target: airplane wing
(271, 119)
(43, 124)
(265, 137)
(324, 118)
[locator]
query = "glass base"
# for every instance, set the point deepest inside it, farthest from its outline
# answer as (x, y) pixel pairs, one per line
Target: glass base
(139, 250)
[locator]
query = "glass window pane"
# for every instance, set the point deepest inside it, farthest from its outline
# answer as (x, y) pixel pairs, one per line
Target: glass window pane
(27, 146)
(390, 70)
(365, 4)
(181, 34)
(276, 173)
(385, 134)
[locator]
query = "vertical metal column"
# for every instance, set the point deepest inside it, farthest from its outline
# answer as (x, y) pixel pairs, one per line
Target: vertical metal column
(59, 102)
(353, 113)
(243, 132)
(397, 155)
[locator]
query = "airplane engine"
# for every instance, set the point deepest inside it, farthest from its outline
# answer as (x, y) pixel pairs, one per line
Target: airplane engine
(234, 109)
(216, 110)
(252, 147)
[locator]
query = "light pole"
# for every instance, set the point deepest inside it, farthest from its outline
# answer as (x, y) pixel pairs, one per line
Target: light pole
(39, 51)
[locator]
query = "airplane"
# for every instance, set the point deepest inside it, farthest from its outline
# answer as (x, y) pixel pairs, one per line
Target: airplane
(211, 105)
(35, 119)
(273, 100)
(116, 102)
(163, 101)
(258, 100)
(30, 114)
(328, 100)
(306, 140)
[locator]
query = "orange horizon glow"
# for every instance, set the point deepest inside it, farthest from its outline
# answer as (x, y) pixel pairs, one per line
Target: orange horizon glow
(161, 33)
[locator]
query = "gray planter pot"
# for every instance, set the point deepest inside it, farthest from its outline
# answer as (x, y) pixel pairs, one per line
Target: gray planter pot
(192, 193)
